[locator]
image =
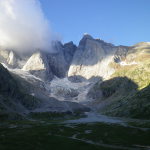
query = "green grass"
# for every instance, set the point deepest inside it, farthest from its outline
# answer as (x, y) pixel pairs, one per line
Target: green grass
(55, 116)
(28, 135)
(127, 92)
(136, 105)
(139, 73)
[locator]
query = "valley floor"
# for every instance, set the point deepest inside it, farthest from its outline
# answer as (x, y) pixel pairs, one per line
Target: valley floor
(105, 134)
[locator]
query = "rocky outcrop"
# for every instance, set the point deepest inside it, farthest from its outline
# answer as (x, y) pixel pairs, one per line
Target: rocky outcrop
(46, 65)
(13, 99)
(16, 102)
(9, 58)
(38, 65)
(120, 53)
(69, 50)
(60, 60)
(92, 58)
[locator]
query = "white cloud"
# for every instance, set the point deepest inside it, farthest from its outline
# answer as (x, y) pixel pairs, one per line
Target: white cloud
(23, 26)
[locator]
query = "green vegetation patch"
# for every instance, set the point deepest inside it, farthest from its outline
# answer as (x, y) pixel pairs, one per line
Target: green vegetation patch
(92, 136)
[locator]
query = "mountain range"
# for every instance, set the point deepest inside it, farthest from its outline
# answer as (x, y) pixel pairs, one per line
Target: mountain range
(93, 76)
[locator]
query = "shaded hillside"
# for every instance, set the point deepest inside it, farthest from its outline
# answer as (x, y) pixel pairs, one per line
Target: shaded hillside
(12, 98)
(136, 105)
(20, 96)
(126, 93)
(121, 98)
(112, 89)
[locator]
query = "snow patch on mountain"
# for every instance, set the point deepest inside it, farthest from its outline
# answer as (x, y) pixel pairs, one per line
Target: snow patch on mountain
(65, 90)
(123, 63)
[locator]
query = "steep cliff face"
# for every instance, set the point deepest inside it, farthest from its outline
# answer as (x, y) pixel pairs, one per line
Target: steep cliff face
(46, 65)
(69, 50)
(38, 65)
(57, 61)
(9, 58)
(92, 58)
(42, 64)
(61, 59)
(13, 99)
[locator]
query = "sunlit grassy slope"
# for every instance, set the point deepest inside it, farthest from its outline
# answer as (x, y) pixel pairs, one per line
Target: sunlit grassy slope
(128, 90)
(139, 71)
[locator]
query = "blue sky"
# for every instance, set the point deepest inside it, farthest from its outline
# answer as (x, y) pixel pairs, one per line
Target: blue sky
(121, 22)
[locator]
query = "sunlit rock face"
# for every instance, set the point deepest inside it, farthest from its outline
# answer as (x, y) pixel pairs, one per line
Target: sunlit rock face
(92, 58)
(38, 65)
(8, 58)
(46, 65)
(43, 64)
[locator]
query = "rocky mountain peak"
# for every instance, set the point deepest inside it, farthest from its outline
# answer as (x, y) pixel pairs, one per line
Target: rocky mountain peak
(9, 58)
(92, 59)
(35, 62)
(87, 36)
(69, 50)
(38, 65)
(56, 46)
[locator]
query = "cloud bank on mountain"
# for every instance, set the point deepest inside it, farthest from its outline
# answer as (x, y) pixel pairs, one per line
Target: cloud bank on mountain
(23, 26)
